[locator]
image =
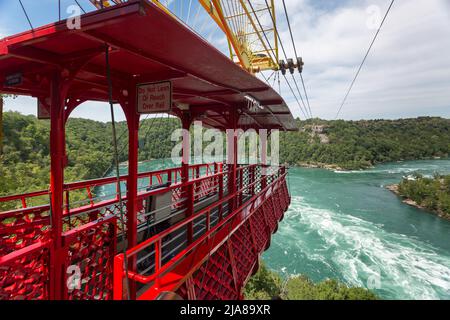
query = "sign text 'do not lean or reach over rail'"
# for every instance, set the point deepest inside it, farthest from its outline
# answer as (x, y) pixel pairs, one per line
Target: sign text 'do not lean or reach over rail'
(154, 97)
(43, 108)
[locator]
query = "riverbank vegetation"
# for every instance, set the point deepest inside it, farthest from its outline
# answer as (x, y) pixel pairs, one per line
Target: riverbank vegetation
(428, 193)
(353, 145)
(25, 163)
(268, 285)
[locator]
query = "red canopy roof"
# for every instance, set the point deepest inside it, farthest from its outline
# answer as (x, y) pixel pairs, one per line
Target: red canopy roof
(147, 45)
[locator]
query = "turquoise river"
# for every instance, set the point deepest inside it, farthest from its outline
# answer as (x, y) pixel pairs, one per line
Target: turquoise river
(347, 226)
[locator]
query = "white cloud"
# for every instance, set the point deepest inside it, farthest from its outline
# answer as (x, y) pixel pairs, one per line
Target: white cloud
(407, 73)
(90, 110)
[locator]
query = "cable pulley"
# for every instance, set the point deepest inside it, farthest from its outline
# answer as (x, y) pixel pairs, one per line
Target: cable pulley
(291, 65)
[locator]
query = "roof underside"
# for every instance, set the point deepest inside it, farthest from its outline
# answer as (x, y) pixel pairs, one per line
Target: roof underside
(147, 45)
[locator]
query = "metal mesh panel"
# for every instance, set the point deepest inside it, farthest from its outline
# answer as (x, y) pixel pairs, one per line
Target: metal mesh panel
(259, 230)
(90, 252)
(21, 228)
(270, 214)
(214, 280)
(243, 252)
(26, 277)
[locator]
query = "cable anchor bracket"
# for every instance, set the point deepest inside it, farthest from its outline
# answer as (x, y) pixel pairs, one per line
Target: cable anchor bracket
(291, 65)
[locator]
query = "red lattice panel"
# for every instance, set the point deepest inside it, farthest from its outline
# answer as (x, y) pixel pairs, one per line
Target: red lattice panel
(281, 197)
(277, 204)
(214, 280)
(287, 197)
(259, 229)
(183, 291)
(269, 213)
(91, 249)
(178, 196)
(205, 188)
(21, 228)
(243, 252)
(79, 217)
(26, 277)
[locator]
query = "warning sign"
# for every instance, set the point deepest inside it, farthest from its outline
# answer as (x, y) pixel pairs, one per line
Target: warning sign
(43, 108)
(154, 97)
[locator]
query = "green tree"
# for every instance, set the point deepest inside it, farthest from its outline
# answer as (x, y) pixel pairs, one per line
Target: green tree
(267, 284)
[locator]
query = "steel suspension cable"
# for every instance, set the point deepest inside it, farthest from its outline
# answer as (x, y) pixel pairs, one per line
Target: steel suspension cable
(279, 84)
(123, 148)
(265, 78)
(76, 1)
(26, 14)
(120, 152)
(263, 32)
(295, 96)
(364, 60)
(274, 82)
(303, 102)
(271, 75)
(189, 12)
(277, 34)
(296, 55)
(194, 24)
(273, 52)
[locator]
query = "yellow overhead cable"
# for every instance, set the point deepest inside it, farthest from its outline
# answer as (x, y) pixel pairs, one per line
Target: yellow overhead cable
(247, 40)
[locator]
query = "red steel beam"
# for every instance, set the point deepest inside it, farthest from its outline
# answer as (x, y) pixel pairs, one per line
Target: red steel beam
(57, 181)
(132, 182)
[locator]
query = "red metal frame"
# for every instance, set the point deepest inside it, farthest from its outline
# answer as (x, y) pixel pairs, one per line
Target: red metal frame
(165, 279)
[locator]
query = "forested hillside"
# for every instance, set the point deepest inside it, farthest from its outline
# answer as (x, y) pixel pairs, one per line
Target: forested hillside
(25, 160)
(25, 163)
(425, 192)
(360, 144)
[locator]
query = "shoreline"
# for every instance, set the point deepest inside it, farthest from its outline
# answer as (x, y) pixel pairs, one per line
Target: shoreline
(327, 166)
(394, 189)
(336, 167)
(317, 165)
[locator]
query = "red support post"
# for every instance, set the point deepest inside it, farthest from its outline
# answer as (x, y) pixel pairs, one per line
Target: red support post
(232, 157)
(57, 145)
(220, 182)
(118, 279)
(241, 187)
(251, 180)
(263, 141)
(132, 182)
(188, 191)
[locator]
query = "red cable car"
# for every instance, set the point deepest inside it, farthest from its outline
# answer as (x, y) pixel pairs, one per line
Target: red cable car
(196, 231)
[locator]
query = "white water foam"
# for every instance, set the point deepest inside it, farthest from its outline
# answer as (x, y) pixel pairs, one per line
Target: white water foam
(407, 267)
(389, 171)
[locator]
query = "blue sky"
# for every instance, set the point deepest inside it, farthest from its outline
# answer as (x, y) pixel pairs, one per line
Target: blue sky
(406, 75)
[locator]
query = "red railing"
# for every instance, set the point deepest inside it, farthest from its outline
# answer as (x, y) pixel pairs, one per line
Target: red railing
(89, 252)
(29, 226)
(92, 231)
(24, 273)
(172, 175)
(209, 241)
(87, 206)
